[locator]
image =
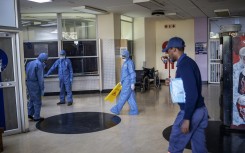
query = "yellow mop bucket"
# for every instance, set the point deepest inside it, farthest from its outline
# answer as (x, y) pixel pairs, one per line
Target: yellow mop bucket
(113, 94)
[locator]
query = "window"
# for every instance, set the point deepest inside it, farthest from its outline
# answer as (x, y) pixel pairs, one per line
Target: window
(83, 55)
(127, 32)
(216, 23)
(78, 40)
(78, 26)
(39, 27)
(33, 49)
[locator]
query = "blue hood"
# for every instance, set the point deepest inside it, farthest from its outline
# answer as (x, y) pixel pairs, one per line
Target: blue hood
(63, 52)
(43, 57)
(125, 53)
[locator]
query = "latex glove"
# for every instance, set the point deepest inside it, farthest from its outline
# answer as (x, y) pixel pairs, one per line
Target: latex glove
(42, 92)
(132, 86)
(45, 75)
(167, 81)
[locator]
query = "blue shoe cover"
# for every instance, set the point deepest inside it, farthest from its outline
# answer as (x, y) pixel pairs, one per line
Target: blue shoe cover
(133, 113)
(114, 110)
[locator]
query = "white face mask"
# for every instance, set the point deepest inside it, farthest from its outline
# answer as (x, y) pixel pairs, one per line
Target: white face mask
(123, 58)
(62, 57)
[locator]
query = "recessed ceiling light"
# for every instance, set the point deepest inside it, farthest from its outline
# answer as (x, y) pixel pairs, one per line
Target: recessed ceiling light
(41, 1)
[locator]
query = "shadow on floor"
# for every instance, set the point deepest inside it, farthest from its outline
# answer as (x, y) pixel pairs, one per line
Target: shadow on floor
(218, 141)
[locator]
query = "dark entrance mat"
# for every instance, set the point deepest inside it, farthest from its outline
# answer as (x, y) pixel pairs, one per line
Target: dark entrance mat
(78, 122)
(218, 141)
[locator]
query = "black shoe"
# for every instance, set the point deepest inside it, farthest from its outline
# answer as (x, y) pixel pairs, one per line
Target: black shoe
(69, 104)
(40, 119)
(30, 117)
(60, 103)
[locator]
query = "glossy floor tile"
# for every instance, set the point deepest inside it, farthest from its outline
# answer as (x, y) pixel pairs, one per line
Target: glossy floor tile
(134, 134)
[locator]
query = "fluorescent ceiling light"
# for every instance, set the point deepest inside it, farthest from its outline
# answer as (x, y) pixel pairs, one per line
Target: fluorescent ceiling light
(89, 9)
(48, 24)
(41, 1)
(171, 14)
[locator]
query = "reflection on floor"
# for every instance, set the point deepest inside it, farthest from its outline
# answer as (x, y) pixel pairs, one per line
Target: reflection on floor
(134, 134)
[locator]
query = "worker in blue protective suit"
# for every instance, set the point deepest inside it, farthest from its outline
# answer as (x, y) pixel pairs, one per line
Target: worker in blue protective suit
(128, 79)
(35, 86)
(65, 73)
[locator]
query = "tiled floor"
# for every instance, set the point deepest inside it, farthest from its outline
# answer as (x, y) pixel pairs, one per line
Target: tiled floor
(135, 134)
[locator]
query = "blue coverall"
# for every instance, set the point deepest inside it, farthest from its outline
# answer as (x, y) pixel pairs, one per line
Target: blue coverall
(35, 85)
(65, 73)
(128, 78)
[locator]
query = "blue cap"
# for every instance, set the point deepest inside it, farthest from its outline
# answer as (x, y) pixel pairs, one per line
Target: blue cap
(174, 42)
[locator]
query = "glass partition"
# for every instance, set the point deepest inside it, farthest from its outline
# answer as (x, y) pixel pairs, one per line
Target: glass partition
(39, 27)
(127, 32)
(216, 23)
(78, 26)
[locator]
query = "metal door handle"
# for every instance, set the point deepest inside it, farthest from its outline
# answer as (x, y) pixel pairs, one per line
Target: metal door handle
(1, 85)
(9, 84)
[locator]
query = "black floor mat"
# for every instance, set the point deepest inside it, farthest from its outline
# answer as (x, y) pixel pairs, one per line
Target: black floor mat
(218, 141)
(78, 122)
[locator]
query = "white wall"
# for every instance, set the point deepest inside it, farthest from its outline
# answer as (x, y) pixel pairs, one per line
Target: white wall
(150, 43)
(117, 26)
(105, 26)
(183, 29)
(109, 30)
(139, 42)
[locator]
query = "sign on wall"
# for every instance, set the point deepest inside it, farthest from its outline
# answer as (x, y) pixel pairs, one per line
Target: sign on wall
(201, 48)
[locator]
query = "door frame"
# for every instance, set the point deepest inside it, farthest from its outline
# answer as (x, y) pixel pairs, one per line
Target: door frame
(18, 81)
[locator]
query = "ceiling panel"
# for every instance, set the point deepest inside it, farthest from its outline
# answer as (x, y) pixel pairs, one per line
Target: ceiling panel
(184, 8)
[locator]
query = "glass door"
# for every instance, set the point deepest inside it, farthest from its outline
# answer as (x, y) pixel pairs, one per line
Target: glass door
(214, 61)
(9, 94)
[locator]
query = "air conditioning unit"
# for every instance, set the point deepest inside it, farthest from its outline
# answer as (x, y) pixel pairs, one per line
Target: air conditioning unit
(149, 4)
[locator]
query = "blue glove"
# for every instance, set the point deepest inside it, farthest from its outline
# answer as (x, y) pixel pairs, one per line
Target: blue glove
(45, 75)
(132, 86)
